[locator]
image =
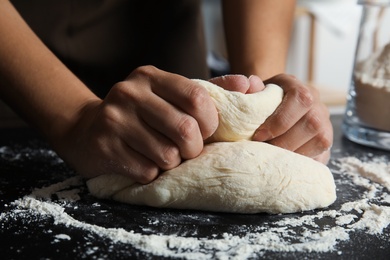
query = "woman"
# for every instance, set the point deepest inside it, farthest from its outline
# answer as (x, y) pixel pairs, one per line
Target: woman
(67, 74)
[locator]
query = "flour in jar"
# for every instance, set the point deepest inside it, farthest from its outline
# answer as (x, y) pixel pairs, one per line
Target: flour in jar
(372, 87)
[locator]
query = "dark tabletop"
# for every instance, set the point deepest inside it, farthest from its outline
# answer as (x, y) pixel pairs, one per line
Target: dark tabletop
(26, 163)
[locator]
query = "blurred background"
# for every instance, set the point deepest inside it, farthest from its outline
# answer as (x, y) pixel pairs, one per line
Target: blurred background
(322, 46)
(321, 53)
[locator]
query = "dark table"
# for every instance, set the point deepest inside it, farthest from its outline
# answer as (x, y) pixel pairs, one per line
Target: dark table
(26, 163)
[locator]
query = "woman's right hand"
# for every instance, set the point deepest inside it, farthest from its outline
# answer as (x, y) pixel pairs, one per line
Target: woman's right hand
(150, 121)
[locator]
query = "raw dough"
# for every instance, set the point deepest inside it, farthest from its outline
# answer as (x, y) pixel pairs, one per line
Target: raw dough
(242, 176)
(239, 114)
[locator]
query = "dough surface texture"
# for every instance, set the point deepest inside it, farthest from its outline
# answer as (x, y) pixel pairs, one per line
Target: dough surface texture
(239, 114)
(232, 174)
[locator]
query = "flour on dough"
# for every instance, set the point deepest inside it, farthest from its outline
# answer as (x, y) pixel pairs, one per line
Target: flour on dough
(233, 174)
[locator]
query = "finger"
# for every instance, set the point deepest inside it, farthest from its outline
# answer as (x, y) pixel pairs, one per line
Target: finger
(256, 84)
(130, 163)
(180, 128)
(324, 157)
(187, 95)
(291, 140)
(153, 145)
(297, 101)
(124, 110)
(238, 83)
(305, 129)
(316, 146)
(141, 138)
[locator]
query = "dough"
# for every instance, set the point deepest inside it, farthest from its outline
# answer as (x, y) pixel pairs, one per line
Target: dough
(241, 176)
(244, 177)
(239, 114)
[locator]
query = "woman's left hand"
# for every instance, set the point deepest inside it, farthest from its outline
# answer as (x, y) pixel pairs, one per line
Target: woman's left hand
(301, 123)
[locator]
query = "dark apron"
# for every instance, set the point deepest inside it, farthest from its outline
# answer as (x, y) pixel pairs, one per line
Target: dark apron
(102, 41)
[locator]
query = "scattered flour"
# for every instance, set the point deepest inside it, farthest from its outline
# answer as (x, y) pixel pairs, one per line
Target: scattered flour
(369, 213)
(376, 170)
(62, 237)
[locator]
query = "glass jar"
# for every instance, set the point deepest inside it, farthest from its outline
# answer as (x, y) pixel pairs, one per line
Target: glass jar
(367, 116)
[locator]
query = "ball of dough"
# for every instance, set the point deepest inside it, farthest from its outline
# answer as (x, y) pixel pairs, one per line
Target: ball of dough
(233, 174)
(241, 114)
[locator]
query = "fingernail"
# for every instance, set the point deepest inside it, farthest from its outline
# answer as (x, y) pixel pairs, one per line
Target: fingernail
(255, 84)
(261, 135)
(253, 79)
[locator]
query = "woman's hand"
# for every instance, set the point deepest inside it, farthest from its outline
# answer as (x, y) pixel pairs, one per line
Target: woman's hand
(301, 122)
(147, 123)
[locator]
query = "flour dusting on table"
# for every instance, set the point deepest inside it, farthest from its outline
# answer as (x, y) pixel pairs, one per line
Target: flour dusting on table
(369, 213)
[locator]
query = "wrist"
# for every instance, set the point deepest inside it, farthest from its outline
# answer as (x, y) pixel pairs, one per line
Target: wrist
(63, 123)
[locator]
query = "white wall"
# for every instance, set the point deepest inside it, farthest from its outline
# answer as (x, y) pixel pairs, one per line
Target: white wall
(337, 23)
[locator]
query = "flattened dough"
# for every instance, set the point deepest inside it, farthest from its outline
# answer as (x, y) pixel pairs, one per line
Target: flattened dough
(233, 174)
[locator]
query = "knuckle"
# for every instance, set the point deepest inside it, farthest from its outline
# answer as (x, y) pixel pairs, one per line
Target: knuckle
(124, 91)
(313, 123)
(198, 97)
(291, 76)
(282, 79)
(170, 157)
(204, 110)
(120, 87)
(305, 97)
(110, 115)
(324, 142)
(187, 128)
(286, 77)
(149, 173)
(282, 122)
(147, 71)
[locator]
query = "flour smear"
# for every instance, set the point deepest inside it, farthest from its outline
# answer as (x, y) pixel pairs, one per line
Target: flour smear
(369, 213)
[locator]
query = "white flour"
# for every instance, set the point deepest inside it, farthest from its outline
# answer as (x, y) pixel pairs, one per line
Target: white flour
(367, 213)
(375, 70)
(372, 89)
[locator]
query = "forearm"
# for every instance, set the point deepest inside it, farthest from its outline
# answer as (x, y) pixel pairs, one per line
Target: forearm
(258, 35)
(33, 81)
